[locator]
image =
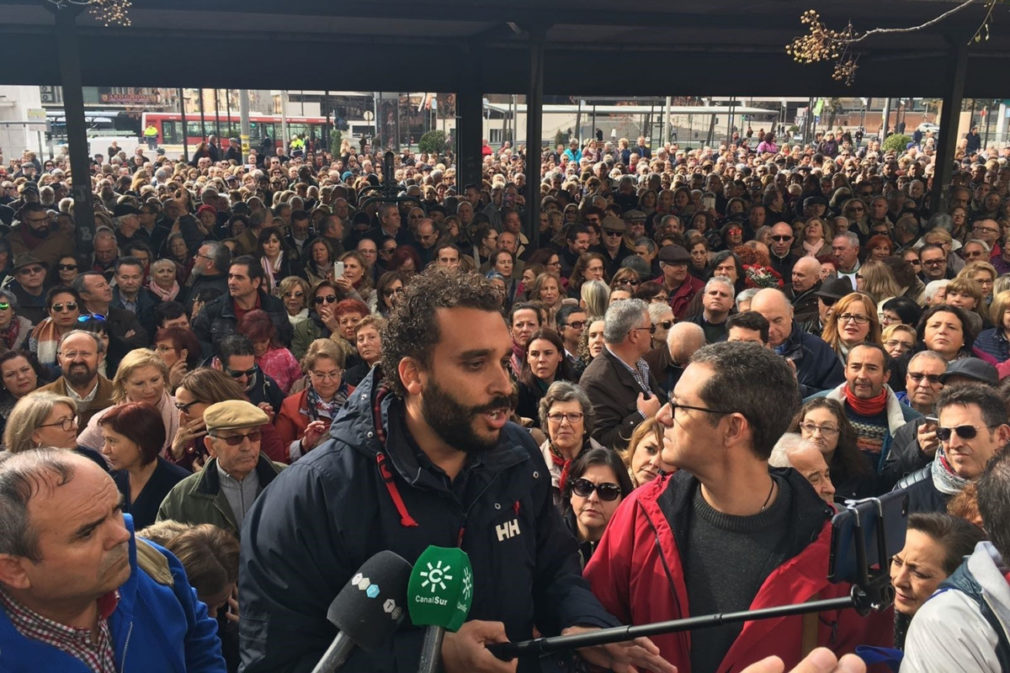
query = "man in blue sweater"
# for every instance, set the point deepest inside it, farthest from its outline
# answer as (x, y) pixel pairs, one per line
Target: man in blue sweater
(78, 592)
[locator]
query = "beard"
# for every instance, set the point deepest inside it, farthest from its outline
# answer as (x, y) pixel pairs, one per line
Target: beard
(453, 422)
(79, 374)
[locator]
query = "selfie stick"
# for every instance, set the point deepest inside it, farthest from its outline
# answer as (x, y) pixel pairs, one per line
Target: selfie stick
(872, 591)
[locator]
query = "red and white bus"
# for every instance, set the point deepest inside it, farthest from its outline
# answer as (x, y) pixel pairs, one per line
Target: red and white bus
(169, 125)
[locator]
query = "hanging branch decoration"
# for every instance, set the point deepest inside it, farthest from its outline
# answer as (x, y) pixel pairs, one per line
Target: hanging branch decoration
(821, 43)
(106, 12)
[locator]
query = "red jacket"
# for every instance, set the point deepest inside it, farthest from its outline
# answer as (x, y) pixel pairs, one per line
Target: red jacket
(636, 573)
(680, 299)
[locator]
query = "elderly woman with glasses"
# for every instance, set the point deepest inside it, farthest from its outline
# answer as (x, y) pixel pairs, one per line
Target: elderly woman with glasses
(46, 419)
(305, 417)
(142, 376)
(63, 306)
(566, 414)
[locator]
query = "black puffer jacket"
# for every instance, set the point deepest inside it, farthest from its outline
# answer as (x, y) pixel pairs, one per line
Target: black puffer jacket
(370, 488)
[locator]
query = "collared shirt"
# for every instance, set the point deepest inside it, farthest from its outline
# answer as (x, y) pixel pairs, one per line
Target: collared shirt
(96, 651)
(640, 371)
(240, 494)
(90, 397)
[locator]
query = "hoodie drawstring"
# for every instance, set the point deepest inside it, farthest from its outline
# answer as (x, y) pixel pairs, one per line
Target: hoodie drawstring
(406, 520)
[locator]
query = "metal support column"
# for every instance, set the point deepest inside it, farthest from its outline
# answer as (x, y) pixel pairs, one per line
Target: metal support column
(949, 122)
(534, 131)
(470, 119)
(185, 131)
(68, 53)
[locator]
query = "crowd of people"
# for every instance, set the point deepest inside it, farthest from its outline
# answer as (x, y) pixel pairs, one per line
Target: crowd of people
(647, 405)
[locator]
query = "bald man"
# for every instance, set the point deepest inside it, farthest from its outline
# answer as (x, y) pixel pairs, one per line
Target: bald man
(817, 366)
(806, 280)
(668, 361)
(803, 456)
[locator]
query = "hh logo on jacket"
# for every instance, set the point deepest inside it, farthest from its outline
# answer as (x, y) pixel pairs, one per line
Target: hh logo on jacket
(507, 530)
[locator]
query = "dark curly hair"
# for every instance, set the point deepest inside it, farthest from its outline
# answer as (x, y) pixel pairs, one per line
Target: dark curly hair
(413, 330)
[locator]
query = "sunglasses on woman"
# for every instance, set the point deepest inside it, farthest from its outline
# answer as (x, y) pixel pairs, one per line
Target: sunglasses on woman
(607, 491)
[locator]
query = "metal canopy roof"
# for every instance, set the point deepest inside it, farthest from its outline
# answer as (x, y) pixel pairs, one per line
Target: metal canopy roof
(592, 47)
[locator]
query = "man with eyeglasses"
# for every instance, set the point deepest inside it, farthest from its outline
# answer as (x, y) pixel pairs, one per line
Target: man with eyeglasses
(223, 492)
(236, 357)
(971, 427)
(724, 503)
(988, 231)
(35, 233)
(78, 356)
(679, 284)
(782, 257)
(619, 382)
(869, 403)
(934, 263)
(571, 320)
(28, 287)
(612, 245)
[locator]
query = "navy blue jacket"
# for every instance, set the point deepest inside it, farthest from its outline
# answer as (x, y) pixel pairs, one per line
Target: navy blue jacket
(324, 516)
(817, 365)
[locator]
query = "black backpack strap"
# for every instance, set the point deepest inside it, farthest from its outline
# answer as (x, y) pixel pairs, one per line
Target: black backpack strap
(962, 580)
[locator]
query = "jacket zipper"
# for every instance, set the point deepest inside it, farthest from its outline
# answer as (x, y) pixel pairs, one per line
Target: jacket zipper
(126, 646)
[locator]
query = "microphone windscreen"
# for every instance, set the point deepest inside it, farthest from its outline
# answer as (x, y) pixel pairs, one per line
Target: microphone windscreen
(371, 605)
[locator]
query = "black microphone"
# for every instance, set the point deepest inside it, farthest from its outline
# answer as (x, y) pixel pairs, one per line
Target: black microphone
(368, 609)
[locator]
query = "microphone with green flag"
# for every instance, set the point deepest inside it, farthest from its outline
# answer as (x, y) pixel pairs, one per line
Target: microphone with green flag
(439, 596)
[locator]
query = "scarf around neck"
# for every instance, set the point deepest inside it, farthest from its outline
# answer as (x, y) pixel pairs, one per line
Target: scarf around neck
(870, 407)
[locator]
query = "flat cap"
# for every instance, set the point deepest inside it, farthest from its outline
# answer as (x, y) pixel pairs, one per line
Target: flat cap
(635, 216)
(233, 414)
(613, 223)
(674, 254)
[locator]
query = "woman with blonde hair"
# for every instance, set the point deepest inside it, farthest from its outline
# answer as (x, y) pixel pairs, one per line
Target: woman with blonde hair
(595, 297)
(643, 457)
(43, 419)
(982, 273)
(852, 322)
(142, 376)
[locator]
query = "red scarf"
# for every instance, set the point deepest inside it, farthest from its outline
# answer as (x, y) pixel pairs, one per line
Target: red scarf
(870, 407)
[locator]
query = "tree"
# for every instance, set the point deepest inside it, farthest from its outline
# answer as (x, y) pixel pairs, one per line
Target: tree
(559, 138)
(432, 142)
(895, 142)
(821, 43)
(335, 140)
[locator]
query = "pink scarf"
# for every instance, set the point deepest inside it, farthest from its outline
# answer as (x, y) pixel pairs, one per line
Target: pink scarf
(163, 294)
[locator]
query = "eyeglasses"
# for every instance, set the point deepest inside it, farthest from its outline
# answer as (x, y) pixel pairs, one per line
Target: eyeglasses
(184, 408)
(897, 343)
(329, 299)
(988, 230)
(607, 491)
(610, 232)
(674, 406)
(782, 238)
(665, 324)
(69, 306)
(576, 324)
(68, 424)
(650, 328)
(67, 267)
(235, 440)
(573, 417)
(327, 376)
(390, 293)
(919, 376)
(31, 269)
(239, 373)
(852, 317)
(85, 317)
(4, 306)
(811, 428)
(934, 262)
(295, 295)
(962, 431)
